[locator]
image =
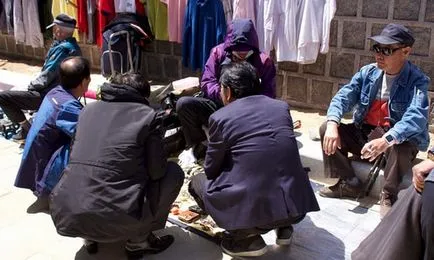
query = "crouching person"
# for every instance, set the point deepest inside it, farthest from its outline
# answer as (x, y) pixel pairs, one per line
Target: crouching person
(254, 181)
(47, 146)
(118, 185)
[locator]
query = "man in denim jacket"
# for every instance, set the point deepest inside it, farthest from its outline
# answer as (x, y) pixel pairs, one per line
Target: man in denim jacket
(390, 103)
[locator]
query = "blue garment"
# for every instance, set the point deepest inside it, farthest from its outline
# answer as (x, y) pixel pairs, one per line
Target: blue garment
(59, 50)
(47, 143)
(204, 28)
(408, 104)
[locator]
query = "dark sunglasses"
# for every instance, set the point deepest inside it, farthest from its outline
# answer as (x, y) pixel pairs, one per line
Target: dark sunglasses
(386, 51)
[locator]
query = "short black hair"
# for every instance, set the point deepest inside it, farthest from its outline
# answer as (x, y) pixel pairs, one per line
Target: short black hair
(73, 70)
(241, 78)
(134, 80)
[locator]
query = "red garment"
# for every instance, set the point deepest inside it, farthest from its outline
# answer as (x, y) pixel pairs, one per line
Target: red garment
(105, 13)
(140, 8)
(377, 114)
(82, 16)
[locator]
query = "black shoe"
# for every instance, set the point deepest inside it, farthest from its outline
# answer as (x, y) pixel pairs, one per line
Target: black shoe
(153, 245)
(91, 246)
(20, 136)
(40, 205)
(284, 236)
(250, 246)
(341, 190)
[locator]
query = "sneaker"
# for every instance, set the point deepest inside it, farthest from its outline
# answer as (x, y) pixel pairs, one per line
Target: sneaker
(284, 236)
(341, 190)
(385, 205)
(40, 205)
(91, 246)
(250, 246)
(152, 245)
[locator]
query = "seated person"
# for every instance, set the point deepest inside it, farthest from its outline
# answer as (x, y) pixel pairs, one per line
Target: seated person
(407, 231)
(254, 181)
(118, 185)
(52, 129)
(391, 117)
(64, 45)
(241, 43)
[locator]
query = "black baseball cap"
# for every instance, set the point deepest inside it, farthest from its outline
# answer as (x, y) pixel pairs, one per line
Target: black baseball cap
(64, 21)
(393, 34)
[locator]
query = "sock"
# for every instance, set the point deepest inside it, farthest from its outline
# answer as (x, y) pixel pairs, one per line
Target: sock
(354, 181)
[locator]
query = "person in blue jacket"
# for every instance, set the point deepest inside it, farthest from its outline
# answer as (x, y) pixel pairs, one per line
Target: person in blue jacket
(64, 45)
(46, 149)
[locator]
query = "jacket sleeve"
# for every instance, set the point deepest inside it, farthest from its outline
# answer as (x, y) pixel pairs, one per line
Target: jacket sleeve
(156, 157)
(346, 98)
(210, 79)
(415, 118)
(50, 73)
(67, 117)
(268, 79)
(216, 151)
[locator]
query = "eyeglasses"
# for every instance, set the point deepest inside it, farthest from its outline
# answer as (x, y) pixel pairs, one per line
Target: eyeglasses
(386, 51)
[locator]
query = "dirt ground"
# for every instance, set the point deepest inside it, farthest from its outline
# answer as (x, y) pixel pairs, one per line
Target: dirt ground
(311, 119)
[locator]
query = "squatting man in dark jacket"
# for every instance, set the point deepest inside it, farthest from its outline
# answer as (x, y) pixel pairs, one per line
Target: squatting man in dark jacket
(254, 181)
(118, 185)
(64, 45)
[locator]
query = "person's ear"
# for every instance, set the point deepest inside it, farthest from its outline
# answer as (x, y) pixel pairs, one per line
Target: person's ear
(406, 51)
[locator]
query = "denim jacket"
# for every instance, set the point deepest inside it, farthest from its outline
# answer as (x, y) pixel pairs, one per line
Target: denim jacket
(408, 104)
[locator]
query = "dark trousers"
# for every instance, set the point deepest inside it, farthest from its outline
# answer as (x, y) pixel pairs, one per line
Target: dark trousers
(197, 188)
(161, 194)
(13, 102)
(193, 113)
(399, 157)
(427, 220)
(407, 230)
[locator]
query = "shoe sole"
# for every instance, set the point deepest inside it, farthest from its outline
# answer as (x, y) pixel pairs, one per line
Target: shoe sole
(283, 242)
(246, 254)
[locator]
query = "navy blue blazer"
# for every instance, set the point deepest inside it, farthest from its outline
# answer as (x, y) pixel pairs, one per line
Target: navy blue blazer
(255, 176)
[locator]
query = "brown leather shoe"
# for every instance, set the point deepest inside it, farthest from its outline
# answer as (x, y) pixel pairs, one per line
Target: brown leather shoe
(341, 190)
(385, 205)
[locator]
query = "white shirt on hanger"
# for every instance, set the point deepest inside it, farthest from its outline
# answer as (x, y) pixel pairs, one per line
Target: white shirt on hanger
(125, 6)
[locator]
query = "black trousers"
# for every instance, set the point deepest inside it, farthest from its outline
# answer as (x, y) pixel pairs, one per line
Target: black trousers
(399, 157)
(197, 188)
(161, 194)
(406, 232)
(193, 113)
(13, 102)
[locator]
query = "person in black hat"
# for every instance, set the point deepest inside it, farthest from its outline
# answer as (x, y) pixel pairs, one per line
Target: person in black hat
(390, 103)
(64, 45)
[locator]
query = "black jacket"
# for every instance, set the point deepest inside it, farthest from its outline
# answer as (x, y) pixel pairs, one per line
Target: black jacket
(116, 152)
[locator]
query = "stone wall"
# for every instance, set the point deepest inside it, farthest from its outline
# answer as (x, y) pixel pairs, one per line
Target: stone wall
(313, 85)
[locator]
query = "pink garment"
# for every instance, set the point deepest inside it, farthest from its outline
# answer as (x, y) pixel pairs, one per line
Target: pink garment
(244, 9)
(175, 14)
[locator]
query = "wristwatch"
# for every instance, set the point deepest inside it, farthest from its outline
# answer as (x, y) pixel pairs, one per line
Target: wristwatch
(390, 140)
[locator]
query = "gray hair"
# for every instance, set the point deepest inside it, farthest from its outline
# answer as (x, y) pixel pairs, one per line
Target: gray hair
(67, 30)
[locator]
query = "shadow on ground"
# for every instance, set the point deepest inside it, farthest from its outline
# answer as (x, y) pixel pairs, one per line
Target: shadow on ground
(186, 245)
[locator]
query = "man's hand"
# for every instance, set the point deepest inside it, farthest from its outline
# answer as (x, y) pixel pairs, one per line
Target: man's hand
(374, 148)
(331, 138)
(420, 171)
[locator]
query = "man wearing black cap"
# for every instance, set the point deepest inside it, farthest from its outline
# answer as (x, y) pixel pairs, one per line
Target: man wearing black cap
(64, 45)
(390, 103)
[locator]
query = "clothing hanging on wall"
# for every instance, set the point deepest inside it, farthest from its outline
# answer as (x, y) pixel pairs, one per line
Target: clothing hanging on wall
(157, 16)
(245, 9)
(8, 11)
(45, 17)
(27, 29)
(205, 27)
(228, 7)
(125, 6)
(105, 13)
(176, 13)
(297, 29)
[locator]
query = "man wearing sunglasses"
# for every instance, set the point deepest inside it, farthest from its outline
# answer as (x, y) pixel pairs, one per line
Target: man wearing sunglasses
(390, 103)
